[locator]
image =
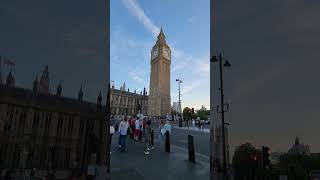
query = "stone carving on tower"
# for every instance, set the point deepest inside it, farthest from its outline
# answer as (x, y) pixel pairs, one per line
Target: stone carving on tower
(159, 101)
(44, 81)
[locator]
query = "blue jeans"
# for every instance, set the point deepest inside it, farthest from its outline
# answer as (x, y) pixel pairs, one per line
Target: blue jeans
(122, 140)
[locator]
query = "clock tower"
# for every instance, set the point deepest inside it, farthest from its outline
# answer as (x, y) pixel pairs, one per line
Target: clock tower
(159, 101)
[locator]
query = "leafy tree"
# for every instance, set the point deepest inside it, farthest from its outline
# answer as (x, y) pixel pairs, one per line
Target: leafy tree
(187, 113)
(246, 162)
(203, 113)
(298, 166)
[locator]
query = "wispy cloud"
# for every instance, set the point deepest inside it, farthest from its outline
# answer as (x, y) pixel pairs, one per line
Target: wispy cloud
(138, 75)
(136, 10)
(183, 64)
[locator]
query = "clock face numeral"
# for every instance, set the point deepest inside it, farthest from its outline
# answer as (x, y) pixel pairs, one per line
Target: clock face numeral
(154, 53)
(166, 53)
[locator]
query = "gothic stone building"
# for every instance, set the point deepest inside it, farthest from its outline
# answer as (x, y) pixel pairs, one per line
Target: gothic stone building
(43, 130)
(126, 103)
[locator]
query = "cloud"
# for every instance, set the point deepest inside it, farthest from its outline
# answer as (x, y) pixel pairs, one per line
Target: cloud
(136, 10)
(203, 66)
(137, 75)
(181, 61)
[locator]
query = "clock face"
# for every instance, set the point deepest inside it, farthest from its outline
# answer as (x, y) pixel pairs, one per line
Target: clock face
(166, 53)
(154, 53)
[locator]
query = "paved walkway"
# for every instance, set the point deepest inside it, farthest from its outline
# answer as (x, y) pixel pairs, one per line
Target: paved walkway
(159, 165)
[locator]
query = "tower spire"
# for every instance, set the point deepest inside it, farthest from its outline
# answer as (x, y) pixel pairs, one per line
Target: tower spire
(161, 34)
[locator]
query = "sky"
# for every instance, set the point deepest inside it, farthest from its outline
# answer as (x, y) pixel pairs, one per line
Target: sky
(134, 27)
(69, 38)
(273, 84)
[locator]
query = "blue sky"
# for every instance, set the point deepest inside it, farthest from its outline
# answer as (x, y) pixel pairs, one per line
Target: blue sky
(134, 27)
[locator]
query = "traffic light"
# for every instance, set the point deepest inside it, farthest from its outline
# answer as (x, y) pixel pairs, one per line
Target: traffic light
(265, 156)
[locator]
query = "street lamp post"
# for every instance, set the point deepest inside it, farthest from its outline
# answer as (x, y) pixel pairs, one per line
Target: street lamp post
(180, 120)
(226, 64)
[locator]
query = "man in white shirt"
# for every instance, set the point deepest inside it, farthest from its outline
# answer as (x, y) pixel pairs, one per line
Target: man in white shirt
(167, 127)
(123, 130)
(193, 123)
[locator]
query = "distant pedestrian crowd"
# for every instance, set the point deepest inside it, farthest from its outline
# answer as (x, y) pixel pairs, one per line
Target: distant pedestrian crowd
(139, 129)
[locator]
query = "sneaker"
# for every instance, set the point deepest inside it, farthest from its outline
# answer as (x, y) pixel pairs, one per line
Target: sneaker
(119, 146)
(148, 149)
(152, 147)
(146, 152)
(110, 152)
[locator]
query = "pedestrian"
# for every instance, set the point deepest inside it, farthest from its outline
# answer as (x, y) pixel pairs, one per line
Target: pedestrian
(151, 134)
(193, 123)
(118, 129)
(132, 127)
(123, 130)
(111, 133)
(161, 130)
(117, 125)
(142, 124)
(147, 137)
(137, 130)
(167, 127)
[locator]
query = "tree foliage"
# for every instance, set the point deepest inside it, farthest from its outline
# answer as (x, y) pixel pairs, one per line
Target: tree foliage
(203, 113)
(246, 161)
(187, 113)
(298, 166)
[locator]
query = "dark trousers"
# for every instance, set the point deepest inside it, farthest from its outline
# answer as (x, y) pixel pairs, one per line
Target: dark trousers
(140, 135)
(123, 142)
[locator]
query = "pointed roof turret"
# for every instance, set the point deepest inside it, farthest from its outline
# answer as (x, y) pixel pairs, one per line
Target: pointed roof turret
(44, 81)
(35, 84)
(99, 98)
(161, 34)
(80, 94)
(296, 142)
(10, 80)
(59, 89)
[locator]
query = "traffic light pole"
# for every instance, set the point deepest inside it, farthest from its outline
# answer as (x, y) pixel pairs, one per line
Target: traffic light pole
(225, 177)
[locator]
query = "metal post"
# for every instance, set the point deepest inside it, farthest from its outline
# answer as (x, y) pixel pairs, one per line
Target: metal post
(180, 119)
(192, 157)
(167, 144)
(222, 118)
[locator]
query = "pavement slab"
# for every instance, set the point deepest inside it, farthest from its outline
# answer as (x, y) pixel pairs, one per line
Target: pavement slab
(158, 165)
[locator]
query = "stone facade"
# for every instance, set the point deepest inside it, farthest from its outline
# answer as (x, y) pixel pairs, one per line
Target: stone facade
(159, 103)
(42, 130)
(126, 103)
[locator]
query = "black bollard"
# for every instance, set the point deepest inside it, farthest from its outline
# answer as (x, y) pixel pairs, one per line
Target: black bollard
(192, 157)
(152, 135)
(167, 141)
